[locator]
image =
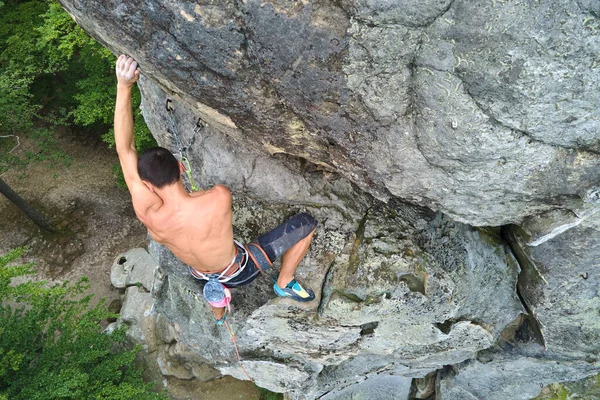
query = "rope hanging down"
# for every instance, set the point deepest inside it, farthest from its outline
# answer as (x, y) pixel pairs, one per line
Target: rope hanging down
(233, 340)
(180, 147)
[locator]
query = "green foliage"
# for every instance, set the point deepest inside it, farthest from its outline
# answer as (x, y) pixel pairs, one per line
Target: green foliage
(560, 391)
(41, 46)
(52, 346)
(268, 395)
(60, 38)
(555, 391)
(52, 73)
(16, 109)
(88, 86)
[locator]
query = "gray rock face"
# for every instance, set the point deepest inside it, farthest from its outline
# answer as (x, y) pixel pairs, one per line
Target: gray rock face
(523, 64)
(453, 278)
(403, 295)
(514, 375)
(558, 252)
(485, 112)
(560, 255)
(138, 313)
(377, 388)
(133, 271)
(133, 267)
(471, 108)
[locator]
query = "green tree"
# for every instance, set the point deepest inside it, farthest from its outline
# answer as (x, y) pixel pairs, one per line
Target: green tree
(52, 346)
(52, 73)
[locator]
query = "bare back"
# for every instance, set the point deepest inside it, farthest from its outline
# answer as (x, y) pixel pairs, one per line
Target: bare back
(196, 227)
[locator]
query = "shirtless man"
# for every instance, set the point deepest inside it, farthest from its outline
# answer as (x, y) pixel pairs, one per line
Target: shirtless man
(197, 227)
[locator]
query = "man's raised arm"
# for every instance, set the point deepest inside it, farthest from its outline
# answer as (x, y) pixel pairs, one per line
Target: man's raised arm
(127, 74)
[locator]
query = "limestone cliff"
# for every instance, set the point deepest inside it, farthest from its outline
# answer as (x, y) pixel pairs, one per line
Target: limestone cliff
(415, 132)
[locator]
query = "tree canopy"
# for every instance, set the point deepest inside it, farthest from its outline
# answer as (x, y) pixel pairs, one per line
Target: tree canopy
(52, 73)
(52, 345)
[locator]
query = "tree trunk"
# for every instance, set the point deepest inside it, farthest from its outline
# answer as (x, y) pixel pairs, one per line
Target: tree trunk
(37, 217)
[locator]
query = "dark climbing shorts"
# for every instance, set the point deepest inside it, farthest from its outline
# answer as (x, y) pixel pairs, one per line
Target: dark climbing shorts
(270, 246)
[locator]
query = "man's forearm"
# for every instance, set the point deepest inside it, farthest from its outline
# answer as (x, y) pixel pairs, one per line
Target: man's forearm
(123, 119)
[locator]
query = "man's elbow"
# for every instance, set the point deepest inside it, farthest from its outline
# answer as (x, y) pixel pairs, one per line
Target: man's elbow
(123, 149)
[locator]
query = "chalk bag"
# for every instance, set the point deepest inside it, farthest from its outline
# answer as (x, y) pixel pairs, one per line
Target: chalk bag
(215, 293)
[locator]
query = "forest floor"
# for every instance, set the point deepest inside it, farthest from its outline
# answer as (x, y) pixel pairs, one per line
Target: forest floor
(83, 200)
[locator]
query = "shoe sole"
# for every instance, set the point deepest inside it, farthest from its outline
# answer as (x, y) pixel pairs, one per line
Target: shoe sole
(294, 296)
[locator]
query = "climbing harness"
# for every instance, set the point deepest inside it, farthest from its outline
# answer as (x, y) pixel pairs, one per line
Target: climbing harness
(221, 275)
(181, 148)
(214, 291)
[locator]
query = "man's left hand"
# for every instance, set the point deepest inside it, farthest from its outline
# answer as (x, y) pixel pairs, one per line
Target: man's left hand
(126, 70)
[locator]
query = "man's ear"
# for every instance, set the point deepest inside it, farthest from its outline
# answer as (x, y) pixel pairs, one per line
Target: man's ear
(149, 185)
(181, 167)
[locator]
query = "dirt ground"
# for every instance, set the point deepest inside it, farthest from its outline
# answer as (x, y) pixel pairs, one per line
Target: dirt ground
(83, 200)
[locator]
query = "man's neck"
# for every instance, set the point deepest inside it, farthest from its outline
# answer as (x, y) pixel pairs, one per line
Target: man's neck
(172, 193)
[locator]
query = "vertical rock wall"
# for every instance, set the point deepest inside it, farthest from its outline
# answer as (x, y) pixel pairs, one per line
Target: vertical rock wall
(558, 252)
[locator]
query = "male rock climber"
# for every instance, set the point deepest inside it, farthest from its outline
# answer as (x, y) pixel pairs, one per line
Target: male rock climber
(197, 226)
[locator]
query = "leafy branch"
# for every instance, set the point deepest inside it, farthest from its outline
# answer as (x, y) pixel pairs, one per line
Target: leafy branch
(52, 345)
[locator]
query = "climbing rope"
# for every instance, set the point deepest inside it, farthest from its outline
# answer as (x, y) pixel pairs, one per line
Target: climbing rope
(233, 340)
(181, 148)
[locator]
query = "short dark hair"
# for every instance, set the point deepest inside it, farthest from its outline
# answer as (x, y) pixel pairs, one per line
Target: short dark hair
(159, 167)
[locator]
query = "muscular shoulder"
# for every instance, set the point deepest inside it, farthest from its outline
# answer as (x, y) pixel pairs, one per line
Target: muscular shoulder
(145, 203)
(219, 193)
(222, 193)
(221, 190)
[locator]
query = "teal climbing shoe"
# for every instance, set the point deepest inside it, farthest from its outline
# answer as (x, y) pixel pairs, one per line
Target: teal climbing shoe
(294, 291)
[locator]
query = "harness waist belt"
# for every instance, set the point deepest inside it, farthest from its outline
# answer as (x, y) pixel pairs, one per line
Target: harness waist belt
(236, 266)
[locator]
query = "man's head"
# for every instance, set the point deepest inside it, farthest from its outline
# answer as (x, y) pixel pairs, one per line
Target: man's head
(158, 167)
